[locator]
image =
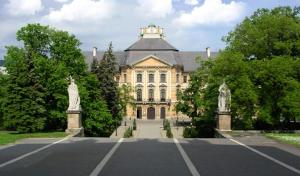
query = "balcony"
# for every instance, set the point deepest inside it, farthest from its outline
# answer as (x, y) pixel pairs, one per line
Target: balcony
(153, 101)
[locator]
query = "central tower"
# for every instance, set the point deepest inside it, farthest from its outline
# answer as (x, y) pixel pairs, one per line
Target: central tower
(152, 31)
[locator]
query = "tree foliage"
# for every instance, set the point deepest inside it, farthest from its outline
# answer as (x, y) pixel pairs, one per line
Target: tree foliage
(261, 67)
(267, 33)
(36, 85)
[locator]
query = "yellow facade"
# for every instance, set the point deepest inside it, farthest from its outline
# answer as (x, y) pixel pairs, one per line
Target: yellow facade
(158, 94)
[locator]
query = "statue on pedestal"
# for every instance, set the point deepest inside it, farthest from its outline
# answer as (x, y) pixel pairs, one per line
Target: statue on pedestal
(224, 98)
(74, 99)
(223, 113)
(74, 111)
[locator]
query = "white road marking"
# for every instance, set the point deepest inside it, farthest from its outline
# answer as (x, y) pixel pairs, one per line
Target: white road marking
(31, 153)
(268, 157)
(100, 166)
(187, 160)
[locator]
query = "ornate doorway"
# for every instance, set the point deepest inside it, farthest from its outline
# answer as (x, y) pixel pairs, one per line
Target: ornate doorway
(151, 113)
(162, 112)
(139, 112)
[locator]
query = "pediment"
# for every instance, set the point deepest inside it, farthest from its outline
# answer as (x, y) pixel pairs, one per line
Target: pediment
(151, 61)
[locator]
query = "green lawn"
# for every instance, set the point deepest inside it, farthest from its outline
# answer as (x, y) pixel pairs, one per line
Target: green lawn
(288, 138)
(10, 137)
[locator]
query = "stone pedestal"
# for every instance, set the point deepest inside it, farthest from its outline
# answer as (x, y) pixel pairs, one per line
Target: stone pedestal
(224, 121)
(74, 123)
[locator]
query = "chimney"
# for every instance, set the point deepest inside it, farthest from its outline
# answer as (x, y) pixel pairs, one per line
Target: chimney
(94, 51)
(208, 52)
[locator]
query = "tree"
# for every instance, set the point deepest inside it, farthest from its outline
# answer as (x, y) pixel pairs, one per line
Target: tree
(231, 68)
(126, 98)
(97, 119)
(24, 106)
(194, 101)
(272, 54)
(260, 65)
(106, 71)
(267, 33)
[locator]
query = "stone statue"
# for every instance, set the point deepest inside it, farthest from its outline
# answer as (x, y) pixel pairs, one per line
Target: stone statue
(74, 99)
(224, 98)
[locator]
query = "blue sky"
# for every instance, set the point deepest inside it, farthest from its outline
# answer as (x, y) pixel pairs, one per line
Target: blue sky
(189, 25)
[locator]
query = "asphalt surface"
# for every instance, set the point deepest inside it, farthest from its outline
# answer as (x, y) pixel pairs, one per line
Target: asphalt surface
(80, 156)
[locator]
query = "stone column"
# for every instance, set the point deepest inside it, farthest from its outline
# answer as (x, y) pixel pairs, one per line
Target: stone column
(74, 123)
(224, 121)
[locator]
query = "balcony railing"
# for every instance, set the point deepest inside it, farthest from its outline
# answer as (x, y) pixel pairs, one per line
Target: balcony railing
(153, 101)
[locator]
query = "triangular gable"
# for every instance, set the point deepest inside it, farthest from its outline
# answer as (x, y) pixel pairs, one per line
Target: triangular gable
(151, 60)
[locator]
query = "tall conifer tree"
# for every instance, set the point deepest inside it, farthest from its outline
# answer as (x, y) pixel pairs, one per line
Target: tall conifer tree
(106, 72)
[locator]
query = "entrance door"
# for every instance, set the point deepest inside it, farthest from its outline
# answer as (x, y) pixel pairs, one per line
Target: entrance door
(139, 113)
(162, 112)
(151, 113)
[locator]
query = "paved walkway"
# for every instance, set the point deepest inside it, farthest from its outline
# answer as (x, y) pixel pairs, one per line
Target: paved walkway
(149, 129)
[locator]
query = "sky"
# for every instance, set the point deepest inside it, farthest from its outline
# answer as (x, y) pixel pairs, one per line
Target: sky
(189, 25)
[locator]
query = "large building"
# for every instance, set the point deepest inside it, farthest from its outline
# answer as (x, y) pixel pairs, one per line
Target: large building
(156, 70)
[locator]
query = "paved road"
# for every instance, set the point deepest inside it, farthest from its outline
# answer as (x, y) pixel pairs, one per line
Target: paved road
(82, 156)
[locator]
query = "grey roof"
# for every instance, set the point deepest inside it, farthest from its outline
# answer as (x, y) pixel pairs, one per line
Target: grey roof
(167, 53)
(1, 63)
(120, 55)
(134, 56)
(150, 44)
(188, 59)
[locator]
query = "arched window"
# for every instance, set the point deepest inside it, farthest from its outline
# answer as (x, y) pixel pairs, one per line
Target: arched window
(184, 79)
(151, 78)
(139, 78)
(163, 95)
(177, 78)
(151, 95)
(125, 78)
(139, 96)
(162, 78)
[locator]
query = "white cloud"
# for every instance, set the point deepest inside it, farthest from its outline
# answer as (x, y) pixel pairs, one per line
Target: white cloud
(82, 10)
(155, 8)
(211, 12)
(23, 7)
(191, 2)
(61, 1)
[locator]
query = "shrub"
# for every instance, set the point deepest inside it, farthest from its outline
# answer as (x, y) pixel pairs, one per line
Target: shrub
(134, 124)
(128, 133)
(190, 132)
(166, 123)
(167, 127)
(205, 127)
(169, 132)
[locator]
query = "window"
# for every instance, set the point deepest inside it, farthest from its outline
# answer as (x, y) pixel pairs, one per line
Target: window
(163, 78)
(139, 96)
(151, 78)
(163, 95)
(125, 78)
(151, 95)
(118, 79)
(177, 78)
(184, 79)
(139, 78)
